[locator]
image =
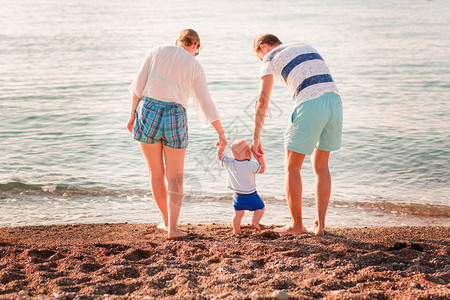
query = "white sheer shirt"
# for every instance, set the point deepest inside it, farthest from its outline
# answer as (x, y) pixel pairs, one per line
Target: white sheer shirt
(171, 74)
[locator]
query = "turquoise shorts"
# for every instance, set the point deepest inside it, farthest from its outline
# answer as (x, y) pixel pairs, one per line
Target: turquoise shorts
(315, 124)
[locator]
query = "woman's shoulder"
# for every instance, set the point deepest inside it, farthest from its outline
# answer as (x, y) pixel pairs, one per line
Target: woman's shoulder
(176, 51)
(162, 48)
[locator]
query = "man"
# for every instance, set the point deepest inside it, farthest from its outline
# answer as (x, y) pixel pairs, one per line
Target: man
(315, 126)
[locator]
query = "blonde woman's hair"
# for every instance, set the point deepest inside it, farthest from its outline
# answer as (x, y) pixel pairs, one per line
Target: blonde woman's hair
(267, 38)
(189, 37)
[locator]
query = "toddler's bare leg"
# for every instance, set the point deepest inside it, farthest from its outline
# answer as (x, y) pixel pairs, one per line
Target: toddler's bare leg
(238, 214)
(257, 215)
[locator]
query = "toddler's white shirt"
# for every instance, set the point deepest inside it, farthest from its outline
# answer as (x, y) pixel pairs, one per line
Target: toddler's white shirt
(241, 174)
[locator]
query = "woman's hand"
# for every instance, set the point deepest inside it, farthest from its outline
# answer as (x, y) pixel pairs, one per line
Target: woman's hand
(222, 143)
(130, 124)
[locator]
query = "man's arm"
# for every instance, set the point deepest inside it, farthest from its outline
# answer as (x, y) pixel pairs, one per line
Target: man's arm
(261, 107)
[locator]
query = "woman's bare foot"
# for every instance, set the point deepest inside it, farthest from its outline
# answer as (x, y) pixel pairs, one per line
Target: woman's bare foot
(175, 234)
(316, 230)
(256, 226)
(290, 229)
(162, 226)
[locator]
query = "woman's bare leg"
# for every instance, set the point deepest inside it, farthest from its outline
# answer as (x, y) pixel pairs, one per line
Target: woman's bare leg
(174, 159)
(154, 158)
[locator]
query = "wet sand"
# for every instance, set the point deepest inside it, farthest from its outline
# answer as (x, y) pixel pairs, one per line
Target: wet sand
(135, 261)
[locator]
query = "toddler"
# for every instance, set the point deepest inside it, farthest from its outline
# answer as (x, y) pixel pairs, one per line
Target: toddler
(241, 171)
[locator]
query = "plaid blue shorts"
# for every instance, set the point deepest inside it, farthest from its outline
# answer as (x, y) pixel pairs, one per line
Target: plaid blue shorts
(158, 121)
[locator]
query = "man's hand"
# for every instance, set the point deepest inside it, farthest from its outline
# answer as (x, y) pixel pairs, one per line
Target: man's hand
(130, 124)
(257, 148)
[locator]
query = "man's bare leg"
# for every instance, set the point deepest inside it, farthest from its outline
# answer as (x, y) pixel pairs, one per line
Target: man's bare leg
(257, 216)
(174, 159)
(319, 161)
(293, 164)
(238, 214)
(154, 158)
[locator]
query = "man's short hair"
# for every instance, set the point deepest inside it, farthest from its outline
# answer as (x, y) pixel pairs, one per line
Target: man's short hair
(266, 38)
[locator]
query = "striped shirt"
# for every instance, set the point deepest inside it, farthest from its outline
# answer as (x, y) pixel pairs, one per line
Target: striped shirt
(301, 69)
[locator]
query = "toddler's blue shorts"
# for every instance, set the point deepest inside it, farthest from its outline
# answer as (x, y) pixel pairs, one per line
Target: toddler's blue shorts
(249, 202)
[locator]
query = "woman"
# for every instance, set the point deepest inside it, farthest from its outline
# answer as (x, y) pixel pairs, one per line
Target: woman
(166, 79)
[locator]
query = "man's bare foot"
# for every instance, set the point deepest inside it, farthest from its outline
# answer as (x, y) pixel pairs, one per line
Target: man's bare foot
(162, 226)
(176, 234)
(256, 226)
(316, 230)
(290, 229)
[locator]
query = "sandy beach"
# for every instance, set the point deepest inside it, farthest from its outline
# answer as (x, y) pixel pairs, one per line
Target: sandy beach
(135, 261)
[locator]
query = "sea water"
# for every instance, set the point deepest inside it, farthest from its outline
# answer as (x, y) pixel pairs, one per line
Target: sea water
(66, 156)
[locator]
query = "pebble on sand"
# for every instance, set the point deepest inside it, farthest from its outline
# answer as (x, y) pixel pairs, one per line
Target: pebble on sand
(280, 295)
(224, 295)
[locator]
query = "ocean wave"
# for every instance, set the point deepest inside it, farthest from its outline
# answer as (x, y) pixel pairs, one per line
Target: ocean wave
(27, 192)
(24, 189)
(426, 210)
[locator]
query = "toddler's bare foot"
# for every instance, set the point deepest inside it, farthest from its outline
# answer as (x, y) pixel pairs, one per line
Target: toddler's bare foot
(175, 234)
(162, 226)
(256, 226)
(290, 229)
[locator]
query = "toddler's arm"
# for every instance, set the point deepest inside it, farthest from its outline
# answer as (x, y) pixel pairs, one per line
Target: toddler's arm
(260, 160)
(220, 152)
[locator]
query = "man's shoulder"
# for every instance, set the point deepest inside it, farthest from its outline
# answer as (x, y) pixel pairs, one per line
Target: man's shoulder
(296, 48)
(285, 50)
